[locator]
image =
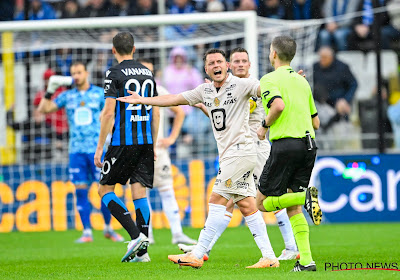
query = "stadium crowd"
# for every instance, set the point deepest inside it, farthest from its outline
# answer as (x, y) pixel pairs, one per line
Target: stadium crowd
(353, 33)
(336, 95)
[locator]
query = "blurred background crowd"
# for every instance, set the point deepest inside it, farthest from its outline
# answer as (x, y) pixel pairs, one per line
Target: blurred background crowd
(344, 66)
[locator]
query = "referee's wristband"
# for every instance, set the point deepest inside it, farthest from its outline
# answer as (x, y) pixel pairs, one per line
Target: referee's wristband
(263, 124)
(48, 95)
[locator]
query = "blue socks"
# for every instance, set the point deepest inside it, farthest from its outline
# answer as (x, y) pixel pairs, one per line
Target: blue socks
(84, 207)
(142, 218)
(121, 213)
(106, 213)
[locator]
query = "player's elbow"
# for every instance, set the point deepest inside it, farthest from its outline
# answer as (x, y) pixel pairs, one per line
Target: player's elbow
(107, 116)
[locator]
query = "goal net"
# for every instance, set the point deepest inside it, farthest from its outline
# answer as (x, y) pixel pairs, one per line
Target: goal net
(34, 190)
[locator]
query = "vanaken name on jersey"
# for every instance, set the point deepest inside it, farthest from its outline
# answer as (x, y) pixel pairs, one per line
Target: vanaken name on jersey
(136, 71)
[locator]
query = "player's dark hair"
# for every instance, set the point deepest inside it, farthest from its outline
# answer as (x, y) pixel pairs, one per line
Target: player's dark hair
(123, 43)
(211, 51)
(285, 47)
(78, 62)
(238, 50)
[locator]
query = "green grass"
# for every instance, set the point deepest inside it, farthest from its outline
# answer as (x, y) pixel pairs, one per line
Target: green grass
(53, 255)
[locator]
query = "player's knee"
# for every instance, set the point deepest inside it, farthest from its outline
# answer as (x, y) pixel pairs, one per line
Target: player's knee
(102, 190)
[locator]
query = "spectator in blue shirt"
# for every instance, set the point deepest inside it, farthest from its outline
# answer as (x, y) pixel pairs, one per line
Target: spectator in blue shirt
(38, 10)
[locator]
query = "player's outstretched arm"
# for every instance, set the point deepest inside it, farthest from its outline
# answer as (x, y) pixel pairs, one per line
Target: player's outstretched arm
(161, 101)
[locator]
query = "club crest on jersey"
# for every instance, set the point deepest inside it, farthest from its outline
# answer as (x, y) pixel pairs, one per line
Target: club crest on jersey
(82, 103)
(228, 183)
(216, 102)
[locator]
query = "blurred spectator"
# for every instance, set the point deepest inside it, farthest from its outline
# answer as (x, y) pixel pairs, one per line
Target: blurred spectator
(198, 136)
(36, 137)
(179, 76)
(7, 8)
(393, 113)
(178, 31)
(62, 61)
(368, 113)
(338, 81)
(211, 6)
(144, 7)
(71, 9)
(103, 60)
(272, 9)
(361, 36)
(336, 31)
(95, 8)
(247, 5)
(38, 10)
(215, 6)
(303, 9)
(119, 8)
(57, 120)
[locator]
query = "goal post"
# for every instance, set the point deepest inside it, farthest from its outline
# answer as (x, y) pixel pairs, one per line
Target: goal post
(247, 18)
(31, 190)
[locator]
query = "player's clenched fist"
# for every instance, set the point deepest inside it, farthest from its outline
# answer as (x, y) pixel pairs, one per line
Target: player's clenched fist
(261, 132)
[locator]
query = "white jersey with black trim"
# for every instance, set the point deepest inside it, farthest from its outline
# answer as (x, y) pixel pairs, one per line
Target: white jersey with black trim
(255, 120)
(228, 110)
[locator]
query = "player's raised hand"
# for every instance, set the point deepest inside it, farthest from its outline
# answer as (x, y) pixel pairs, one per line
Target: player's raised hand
(133, 98)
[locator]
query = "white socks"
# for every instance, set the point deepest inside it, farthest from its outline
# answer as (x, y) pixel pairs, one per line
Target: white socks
(221, 228)
(258, 228)
(87, 231)
(171, 209)
(214, 220)
(108, 228)
(286, 229)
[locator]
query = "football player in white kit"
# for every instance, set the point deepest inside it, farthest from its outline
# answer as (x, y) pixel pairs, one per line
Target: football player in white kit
(163, 181)
(227, 105)
(240, 65)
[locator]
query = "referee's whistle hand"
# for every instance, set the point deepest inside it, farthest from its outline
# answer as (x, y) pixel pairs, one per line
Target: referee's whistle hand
(261, 132)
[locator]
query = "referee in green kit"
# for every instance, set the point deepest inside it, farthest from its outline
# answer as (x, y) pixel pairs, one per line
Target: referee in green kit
(291, 120)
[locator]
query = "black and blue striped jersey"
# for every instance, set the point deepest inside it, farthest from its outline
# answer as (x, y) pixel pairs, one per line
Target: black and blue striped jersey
(132, 124)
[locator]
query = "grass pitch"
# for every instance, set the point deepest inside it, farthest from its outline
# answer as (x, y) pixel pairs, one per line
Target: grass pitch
(54, 255)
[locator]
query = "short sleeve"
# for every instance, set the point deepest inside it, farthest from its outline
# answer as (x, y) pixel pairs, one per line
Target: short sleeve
(269, 91)
(61, 100)
(252, 87)
(193, 96)
(111, 84)
(313, 108)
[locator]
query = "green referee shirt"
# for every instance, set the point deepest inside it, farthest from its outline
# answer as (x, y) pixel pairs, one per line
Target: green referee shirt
(300, 108)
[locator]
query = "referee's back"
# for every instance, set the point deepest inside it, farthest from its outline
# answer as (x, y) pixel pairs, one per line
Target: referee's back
(296, 93)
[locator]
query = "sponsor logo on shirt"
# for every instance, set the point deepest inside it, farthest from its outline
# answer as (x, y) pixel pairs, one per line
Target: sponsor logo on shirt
(230, 101)
(216, 102)
(137, 118)
(228, 183)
